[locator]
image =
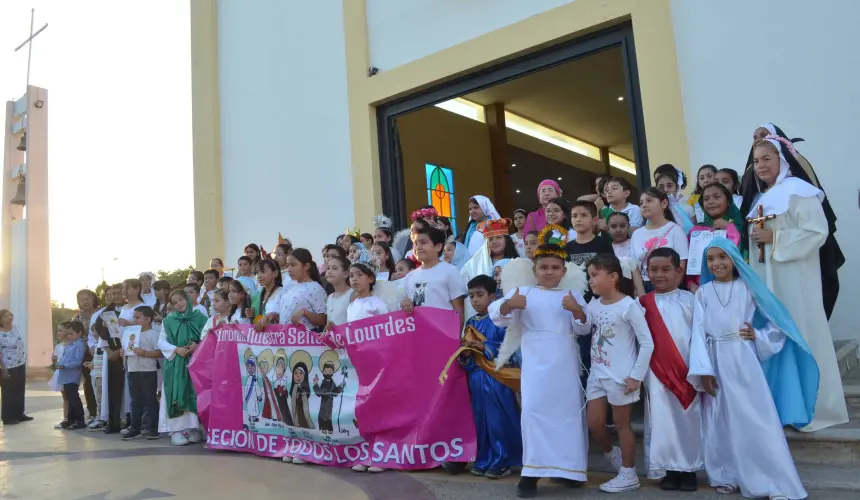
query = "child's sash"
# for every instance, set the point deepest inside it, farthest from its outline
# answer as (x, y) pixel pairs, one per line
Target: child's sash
(507, 376)
(667, 363)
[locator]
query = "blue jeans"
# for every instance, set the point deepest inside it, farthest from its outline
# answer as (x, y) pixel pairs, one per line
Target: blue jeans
(143, 387)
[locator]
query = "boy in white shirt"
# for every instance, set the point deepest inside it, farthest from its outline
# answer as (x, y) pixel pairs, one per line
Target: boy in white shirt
(435, 283)
(193, 291)
(146, 293)
(143, 378)
(617, 191)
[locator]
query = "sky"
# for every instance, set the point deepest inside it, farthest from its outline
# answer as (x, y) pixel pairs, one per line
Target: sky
(120, 148)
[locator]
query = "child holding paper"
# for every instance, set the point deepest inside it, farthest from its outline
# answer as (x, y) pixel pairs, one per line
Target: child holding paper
(142, 365)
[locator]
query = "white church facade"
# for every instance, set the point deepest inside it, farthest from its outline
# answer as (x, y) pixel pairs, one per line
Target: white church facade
(311, 117)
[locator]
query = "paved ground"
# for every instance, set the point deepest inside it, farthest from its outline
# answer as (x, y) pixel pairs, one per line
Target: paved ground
(37, 461)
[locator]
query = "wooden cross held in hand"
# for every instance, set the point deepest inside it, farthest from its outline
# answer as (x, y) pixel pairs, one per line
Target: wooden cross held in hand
(759, 223)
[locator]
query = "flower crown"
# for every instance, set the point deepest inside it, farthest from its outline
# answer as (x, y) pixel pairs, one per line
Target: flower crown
(424, 213)
(370, 267)
(785, 143)
(555, 235)
(382, 222)
(495, 227)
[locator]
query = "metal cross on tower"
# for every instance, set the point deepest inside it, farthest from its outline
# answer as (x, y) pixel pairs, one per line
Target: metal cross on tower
(29, 42)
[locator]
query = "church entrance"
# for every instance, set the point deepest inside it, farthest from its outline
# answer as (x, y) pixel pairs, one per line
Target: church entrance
(569, 113)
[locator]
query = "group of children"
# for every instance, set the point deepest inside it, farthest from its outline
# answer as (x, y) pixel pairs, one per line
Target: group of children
(692, 352)
(600, 312)
(135, 357)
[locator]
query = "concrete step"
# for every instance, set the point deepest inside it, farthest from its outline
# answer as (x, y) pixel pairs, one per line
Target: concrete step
(847, 355)
(821, 477)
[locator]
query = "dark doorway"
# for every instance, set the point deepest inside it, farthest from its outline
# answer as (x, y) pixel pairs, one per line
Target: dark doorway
(487, 89)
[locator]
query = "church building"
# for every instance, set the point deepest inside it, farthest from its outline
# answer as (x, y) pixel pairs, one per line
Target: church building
(311, 117)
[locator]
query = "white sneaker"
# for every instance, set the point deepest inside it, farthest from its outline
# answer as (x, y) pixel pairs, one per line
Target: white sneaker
(178, 439)
(375, 469)
(626, 480)
(359, 468)
(97, 425)
(288, 460)
(298, 461)
(195, 436)
(614, 458)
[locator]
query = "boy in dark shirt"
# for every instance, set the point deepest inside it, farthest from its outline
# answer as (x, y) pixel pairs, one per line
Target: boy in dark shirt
(586, 245)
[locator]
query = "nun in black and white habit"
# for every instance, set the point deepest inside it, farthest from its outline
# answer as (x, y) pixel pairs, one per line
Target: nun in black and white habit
(830, 255)
(792, 240)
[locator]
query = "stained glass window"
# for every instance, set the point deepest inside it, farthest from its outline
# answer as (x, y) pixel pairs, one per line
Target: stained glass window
(440, 192)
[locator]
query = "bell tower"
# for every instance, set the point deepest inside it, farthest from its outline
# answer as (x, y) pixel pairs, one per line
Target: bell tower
(25, 287)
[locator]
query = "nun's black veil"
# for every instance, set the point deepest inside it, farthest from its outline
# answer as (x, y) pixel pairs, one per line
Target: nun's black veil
(830, 255)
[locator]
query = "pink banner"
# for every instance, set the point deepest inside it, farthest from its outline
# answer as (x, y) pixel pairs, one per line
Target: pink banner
(283, 392)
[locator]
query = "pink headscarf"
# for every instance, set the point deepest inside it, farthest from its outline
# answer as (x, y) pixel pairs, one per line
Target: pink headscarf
(536, 220)
(549, 182)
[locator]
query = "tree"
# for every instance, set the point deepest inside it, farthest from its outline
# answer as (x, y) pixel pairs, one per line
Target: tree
(174, 277)
(58, 315)
(101, 289)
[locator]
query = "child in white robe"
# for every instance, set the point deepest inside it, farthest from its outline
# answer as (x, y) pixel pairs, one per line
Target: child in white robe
(673, 415)
(745, 446)
(617, 369)
(543, 320)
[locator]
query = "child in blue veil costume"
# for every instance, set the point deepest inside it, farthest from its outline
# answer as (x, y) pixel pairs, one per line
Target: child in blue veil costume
(792, 373)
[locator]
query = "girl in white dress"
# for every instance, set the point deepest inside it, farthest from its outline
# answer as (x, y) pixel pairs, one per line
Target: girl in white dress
(221, 307)
(362, 278)
(240, 304)
(304, 302)
(381, 254)
(337, 274)
(737, 326)
(268, 301)
(543, 319)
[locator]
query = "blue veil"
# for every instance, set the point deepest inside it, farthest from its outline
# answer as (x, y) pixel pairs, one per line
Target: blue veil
(681, 217)
(792, 373)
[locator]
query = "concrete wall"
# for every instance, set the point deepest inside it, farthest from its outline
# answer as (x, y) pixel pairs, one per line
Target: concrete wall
(790, 62)
(285, 147)
(400, 31)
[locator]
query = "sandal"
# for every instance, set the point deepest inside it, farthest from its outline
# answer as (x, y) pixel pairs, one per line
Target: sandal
(725, 489)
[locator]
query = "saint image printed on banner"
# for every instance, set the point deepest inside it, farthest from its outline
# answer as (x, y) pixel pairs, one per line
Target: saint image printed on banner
(258, 397)
(328, 390)
(281, 384)
(300, 389)
(305, 392)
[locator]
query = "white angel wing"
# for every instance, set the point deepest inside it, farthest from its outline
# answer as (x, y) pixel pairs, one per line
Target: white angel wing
(401, 241)
(575, 278)
(627, 266)
(518, 273)
(390, 293)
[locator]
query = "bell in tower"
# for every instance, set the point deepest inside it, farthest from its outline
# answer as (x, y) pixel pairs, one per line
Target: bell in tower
(20, 197)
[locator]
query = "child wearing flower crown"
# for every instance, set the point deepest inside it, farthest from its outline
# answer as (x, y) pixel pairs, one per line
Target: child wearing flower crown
(543, 314)
(435, 283)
